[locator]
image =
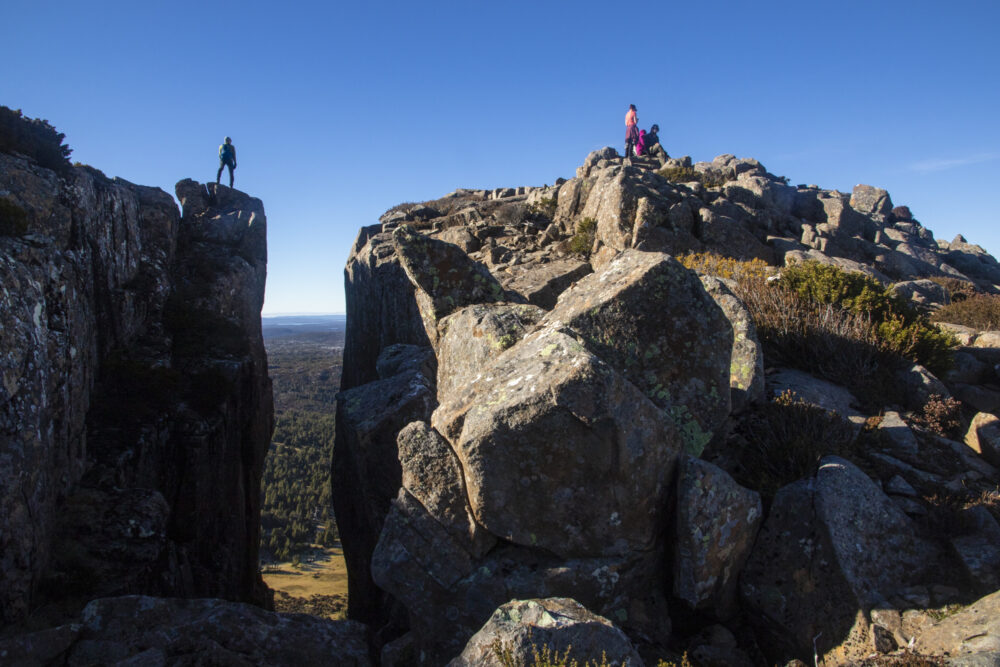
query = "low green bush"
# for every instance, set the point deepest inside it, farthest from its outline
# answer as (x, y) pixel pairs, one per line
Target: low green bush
(899, 328)
(958, 289)
(583, 240)
(680, 174)
(784, 441)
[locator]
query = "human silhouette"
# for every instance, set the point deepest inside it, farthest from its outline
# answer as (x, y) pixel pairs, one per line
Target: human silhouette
(227, 158)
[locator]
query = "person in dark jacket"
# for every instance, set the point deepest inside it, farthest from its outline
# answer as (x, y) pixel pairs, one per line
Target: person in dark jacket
(227, 158)
(653, 146)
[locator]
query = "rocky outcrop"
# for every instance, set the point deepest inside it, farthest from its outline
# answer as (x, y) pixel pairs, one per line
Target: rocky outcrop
(563, 627)
(160, 631)
(832, 548)
(135, 405)
(576, 360)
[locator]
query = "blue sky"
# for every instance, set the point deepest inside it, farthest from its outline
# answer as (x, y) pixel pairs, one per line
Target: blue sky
(342, 110)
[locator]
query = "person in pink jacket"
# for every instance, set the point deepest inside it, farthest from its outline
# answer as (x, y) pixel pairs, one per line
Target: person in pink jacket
(631, 130)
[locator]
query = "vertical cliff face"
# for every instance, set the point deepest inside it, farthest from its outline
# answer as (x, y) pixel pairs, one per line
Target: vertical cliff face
(135, 408)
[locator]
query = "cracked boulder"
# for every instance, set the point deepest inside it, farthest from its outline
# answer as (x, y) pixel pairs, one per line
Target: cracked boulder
(833, 547)
(652, 320)
(545, 421)
(446, 279)
(717, 521)
(563, 626)
(472, 337)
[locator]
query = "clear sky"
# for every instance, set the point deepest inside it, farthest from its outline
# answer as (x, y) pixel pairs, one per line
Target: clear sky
(342, 110)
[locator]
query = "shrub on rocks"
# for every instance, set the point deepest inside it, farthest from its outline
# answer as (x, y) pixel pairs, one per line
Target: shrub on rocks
(979, 311)
(34, 138)
(583, 241)
(958, 289)
(784, 441)
(843, 326)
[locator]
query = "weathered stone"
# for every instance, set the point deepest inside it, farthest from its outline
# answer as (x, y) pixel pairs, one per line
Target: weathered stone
(730, 238)
(159, 631)
(898, 433)
(110, 286)
(871, 201)
(979, 551)
(983, 436)
(816, 392)
(433, 476)
(445, 279)
(900, 487)
(381, 306)
(461, 237)
(472, 337)
(717, 521)
(544, 421)
(979, 398)
(557, 624)
(922, 292)
(366, 473)
(651, 319)
(830, 549)
(966, 369)
(974, 629)
(746, 365)
(541, 284)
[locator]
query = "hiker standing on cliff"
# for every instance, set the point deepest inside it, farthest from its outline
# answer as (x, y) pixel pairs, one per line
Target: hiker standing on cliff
(631, 130)
(227, 158)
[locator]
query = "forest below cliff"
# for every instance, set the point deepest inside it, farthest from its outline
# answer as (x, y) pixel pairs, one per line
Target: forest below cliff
(304, 362)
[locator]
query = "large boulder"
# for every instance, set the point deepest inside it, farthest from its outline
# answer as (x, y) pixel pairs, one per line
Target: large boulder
(871, 201)
(139, 630)
(746, 365)
(717, 521)
(561, 626)
(471, 338)
(832, 547)
(971, 631)
(444, 278)
(434, 573)
(542, 283)
(984, 436)
(544, 421)
(432, 475)
(652, 320)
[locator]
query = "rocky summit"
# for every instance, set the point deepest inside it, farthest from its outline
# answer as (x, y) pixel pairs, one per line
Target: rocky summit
(660, 411)
(559, 428)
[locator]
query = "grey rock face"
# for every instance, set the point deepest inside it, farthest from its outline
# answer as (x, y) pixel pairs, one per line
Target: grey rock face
(547, 419)
(366, 473)
(973, 630)
(983, 436)
(381, 306)
(559, 624)
(444, 278)
(117, 314)
(472, 337)
(653, 321)
(158, 631)
(846, 546)
(717, 521)
(746, 365)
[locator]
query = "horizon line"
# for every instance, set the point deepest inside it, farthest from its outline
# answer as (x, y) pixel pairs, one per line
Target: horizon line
(302, 313)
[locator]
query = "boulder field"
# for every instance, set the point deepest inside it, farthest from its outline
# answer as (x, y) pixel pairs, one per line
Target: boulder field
(533, 384)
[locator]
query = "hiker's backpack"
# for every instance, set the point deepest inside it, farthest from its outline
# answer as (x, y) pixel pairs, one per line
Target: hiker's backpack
(226, 152)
